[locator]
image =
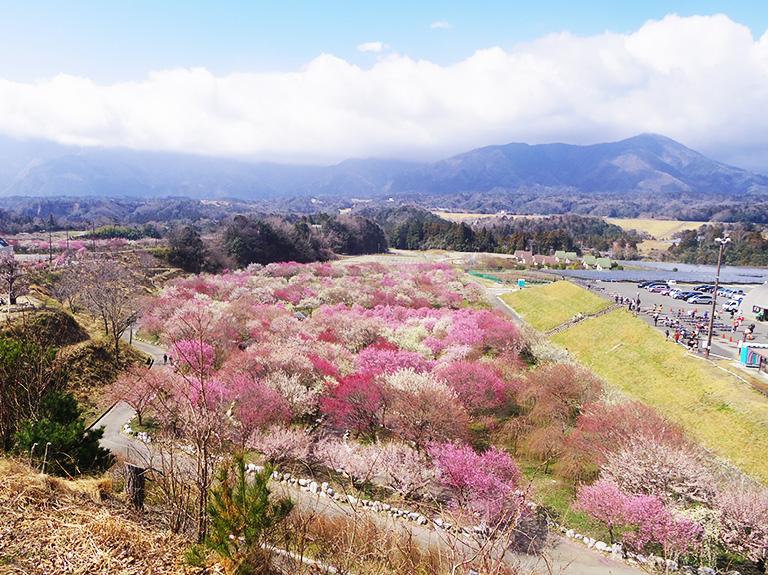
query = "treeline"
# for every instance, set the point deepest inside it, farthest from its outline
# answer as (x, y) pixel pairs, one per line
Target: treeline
(692, 207)
(415, 228)
(246, 239)
(748, 246)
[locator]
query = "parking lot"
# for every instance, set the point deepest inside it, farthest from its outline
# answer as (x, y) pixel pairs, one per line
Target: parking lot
(724, 342)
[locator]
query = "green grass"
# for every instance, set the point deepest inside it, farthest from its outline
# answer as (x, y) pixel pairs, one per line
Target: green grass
(556, 495)
(723, 413)
(548, 306)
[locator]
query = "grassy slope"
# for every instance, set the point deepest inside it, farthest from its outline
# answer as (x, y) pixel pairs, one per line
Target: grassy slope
(546, 307)
(723, 413)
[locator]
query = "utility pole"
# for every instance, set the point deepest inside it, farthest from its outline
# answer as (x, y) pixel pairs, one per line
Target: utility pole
(723, 242)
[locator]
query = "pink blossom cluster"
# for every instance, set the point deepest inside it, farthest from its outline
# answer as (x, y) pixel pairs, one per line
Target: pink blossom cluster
(642, 520)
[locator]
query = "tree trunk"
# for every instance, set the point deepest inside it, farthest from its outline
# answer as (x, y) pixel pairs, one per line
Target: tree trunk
(134, 485)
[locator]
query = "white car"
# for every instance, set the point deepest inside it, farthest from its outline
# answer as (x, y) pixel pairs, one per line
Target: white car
(732, 305)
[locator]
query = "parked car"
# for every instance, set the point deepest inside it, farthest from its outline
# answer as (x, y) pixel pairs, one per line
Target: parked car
(732, 305)
(702, 298)
(650, 284)
(705, 288)
(659, 288)
(686, 294)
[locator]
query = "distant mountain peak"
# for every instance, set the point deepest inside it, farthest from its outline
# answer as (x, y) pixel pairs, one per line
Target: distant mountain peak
(647, 163)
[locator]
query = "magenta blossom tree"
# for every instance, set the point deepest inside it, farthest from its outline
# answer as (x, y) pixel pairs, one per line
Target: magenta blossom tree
(487, 484)
(357, 403)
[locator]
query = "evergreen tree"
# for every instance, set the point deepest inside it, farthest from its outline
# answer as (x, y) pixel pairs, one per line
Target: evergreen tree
(60, 438)
(241, 517)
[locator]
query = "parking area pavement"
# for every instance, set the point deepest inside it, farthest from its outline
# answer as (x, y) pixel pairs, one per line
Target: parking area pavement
(724, 341)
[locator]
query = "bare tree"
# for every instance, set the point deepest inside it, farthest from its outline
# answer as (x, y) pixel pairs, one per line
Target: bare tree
(12, 276)
(111, 293)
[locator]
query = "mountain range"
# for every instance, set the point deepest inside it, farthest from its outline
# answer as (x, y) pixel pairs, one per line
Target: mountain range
(644, 164)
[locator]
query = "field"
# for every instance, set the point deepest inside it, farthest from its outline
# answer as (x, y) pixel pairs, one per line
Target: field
(724, 414)
(546, 307)
(461, 216)
(659, 229)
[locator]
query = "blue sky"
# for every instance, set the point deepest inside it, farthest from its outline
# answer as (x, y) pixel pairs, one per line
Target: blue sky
(111, 41)
(287, 81)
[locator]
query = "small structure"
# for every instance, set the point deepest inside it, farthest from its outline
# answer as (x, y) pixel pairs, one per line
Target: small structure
(755, 303)
(603, 263)
(589, 261)
(564, 257)
(523, 257)
(754, 355)
(540, 260)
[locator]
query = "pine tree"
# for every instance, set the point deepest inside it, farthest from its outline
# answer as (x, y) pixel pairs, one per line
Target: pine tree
(241, 517)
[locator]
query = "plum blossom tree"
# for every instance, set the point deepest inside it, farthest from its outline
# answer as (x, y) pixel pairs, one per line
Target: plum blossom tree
(743, 511)
(255, 405)
(602, 428)
(137, 387)
(642, 520)
(357, 403)
(478, 386)
(423, 409)
(604, 501)
(644, 466)
(279, 444)
(487, 484)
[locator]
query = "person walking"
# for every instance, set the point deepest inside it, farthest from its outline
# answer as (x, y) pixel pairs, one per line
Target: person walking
(655, 319)
(165, 359)
(666, 334)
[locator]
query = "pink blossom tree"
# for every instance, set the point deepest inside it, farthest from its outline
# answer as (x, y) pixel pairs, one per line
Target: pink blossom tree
(645, 466)
(422, 409)
(743, 511)
(357, 403)
(643, 520)
(478, 386)
(255, 405)
(279, 444)
(485, 483)
(138, 387)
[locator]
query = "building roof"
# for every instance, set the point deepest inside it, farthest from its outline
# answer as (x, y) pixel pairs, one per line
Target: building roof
(757, 297)
(589, 260)
(604, 262)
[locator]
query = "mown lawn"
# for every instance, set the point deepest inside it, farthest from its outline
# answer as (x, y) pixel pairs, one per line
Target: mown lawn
(722, 413)
(546, 307)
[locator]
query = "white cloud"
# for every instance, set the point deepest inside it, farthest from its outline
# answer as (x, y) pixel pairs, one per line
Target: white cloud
(375, 47)
(701, 80)
(441, 25)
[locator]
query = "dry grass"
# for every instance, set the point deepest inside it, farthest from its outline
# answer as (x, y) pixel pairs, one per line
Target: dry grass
(548, 306)
(50, 525)
(659, 229)
(722, 412)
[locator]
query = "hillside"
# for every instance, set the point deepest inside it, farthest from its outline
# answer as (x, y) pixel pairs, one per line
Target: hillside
(644, 164)
(50, 525)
